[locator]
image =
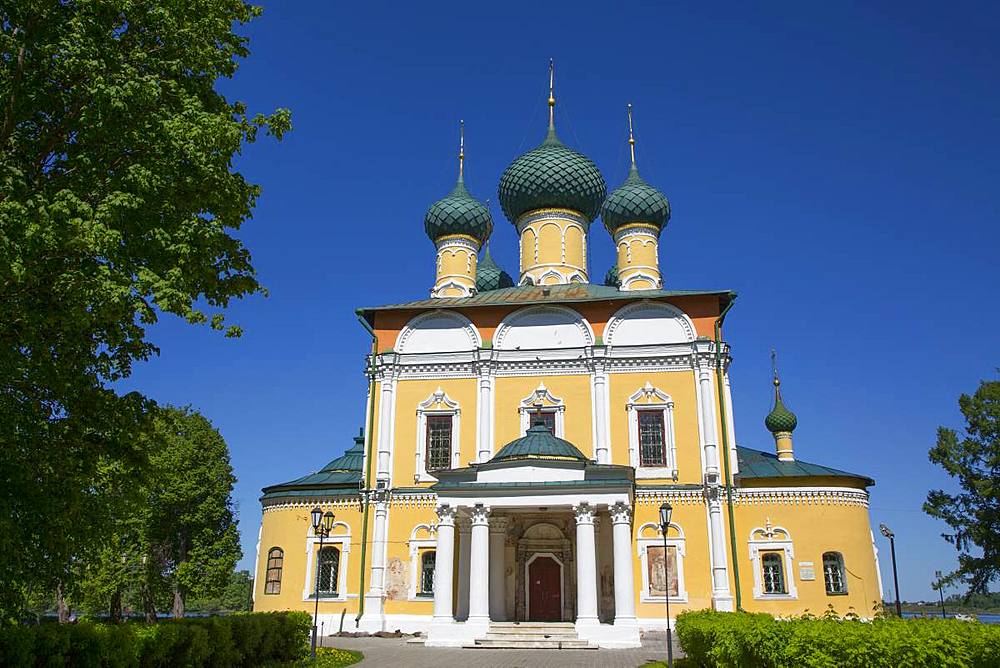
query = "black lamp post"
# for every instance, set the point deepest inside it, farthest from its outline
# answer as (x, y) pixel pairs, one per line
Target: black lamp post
(322, 523)
(665, 511)
(892, 549)
(940, 588)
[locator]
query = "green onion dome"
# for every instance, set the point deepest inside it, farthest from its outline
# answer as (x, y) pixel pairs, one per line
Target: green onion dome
(489, 275)
(635, 202)
(458, 213)
(611, 278)
(780, 418)
(552, 176)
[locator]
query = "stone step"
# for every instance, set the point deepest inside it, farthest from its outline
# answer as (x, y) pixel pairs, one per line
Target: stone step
(513, 635)
(531, 644)
(533, 625)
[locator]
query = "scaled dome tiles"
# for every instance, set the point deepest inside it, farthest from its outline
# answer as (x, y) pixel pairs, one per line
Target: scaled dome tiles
(552, 176)
(635, 202)
(458, 213)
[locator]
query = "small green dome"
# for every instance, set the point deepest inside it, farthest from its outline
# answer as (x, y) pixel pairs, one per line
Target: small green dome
(611, 278)
(539, 443)
(489, 275)
(780, 418)
(552, 176)
(458, 213)
(635, 202)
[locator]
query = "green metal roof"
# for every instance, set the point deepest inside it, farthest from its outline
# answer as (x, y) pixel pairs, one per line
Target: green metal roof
(458, 213)
(635, 201)
(524, 295)
(552, 175)
(344, 472)
(539, 443)
(757, 464)
(489, 275)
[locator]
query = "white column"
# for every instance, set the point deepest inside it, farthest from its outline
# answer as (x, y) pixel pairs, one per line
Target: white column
(708, 420)
(722, 598)
(386, 409)
(586, 566)
(498, 569)
(464, 537)
(485, 437)
(601, 438)
(621, 520)
(479, 569)
(443, 564)
(731, 427)
(377, 580)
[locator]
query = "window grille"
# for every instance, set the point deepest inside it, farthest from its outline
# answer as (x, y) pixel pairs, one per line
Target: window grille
(833, 573)
(774, 574)
(427, 562)
(438, 442)
(272, 578)
(652, 441)
(329, 567)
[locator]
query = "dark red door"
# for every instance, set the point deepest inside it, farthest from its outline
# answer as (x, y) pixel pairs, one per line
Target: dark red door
(544, 590)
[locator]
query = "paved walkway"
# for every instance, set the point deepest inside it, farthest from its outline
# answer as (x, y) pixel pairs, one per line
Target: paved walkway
(396, 652)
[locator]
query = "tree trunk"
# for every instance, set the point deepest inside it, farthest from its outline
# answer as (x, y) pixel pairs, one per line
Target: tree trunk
(148, 607)
(179, 594)
(178, 611)
(115, 611)
(61, 608)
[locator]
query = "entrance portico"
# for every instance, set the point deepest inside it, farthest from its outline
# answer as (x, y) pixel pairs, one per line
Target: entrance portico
(533, 550)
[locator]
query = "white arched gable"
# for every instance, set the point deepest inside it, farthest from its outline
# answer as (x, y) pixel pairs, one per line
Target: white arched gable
(438, 332)
(538, 327)
(646, 323)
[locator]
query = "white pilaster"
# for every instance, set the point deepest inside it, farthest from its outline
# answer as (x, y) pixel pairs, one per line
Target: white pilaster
(708, 419)
(484, 437)
(386, 410)
(586, 567)
(464, 537)
(374, 617)
(479, 570)
(734, 466)
(602, 439)
(498, 569)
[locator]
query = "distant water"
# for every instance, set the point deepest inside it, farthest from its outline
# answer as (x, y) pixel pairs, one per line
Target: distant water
(984, 618)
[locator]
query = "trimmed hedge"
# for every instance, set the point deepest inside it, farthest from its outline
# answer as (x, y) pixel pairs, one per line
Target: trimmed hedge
(252, 639)
(741, 640)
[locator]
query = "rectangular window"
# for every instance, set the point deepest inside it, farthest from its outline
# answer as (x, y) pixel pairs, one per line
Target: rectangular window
(272, 578)
(652, 441)
(329, 569)
(438, 442)
(833, 573)
(547, 418)
(774, 573)
(427, 561)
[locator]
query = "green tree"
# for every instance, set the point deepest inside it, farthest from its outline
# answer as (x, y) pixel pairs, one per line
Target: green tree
(973, 459)
(119, 201)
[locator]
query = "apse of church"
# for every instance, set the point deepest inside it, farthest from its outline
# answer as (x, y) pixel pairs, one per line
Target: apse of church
(525, 428)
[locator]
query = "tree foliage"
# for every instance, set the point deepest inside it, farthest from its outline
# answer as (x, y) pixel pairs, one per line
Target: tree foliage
(119, 201)
(973, 513)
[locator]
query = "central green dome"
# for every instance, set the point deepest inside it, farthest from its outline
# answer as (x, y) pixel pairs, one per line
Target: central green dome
(458, 213)
(539, 443)
(552, 176)
(635, 202)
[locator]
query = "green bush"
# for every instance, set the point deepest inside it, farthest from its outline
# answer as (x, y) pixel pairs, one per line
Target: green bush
(239, 640)
(741, 640)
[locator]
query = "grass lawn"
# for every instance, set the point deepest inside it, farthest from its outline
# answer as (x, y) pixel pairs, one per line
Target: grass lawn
(330, 657)
(678, 663)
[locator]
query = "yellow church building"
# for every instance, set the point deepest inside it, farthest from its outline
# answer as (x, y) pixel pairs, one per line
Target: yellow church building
(523, 435)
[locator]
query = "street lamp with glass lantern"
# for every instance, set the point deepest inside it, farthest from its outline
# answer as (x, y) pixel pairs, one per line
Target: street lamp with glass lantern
(665, 512)
(892, 549)
(322, 524)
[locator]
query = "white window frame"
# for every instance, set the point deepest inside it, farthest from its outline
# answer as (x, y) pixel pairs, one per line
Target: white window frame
(417, 547)
(843, 572)
(541, 400)
(675, 539)
(649, 398)
(343, 543)
(438, 403)
(769, 538)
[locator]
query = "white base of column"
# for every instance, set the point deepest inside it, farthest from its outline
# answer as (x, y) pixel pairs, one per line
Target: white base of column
(374, 618)
(723, 602)
(449, 633)
(610, 636)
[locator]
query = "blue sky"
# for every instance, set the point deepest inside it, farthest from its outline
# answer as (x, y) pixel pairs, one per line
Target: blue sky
(835, 163)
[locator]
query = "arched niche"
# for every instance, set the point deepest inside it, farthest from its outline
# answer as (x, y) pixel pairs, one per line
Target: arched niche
(645, 323)
(438, 332)
(538, 327)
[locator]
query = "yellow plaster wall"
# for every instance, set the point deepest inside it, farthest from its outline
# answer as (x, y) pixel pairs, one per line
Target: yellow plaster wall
(405, 513)
(410, 393)
(573, 390)
(680, 385)
(456, 264)
(815, 528)
(288, 527)
(638, 252)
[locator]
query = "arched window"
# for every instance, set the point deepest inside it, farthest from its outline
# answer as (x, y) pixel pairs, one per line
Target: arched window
(774, 574)
(427, 561)
(329, 569)
(833, 573)
(272, 577)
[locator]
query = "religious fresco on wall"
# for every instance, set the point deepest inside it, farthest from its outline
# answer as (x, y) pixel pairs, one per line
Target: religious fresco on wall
(397, 583)
(657, 574)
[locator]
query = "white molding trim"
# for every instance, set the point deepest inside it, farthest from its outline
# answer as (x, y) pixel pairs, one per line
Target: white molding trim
(679, 543)
(650, 398)
(511, 320)
(340, 541)
(770, 538)
(416, 545)
(438, 403)
(562, 584)
(475, 340)
(550, 404)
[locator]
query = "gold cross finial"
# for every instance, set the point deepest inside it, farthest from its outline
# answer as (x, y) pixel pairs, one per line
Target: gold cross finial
(552, 95)
(631, 137)
(774, 366)
(461, 149)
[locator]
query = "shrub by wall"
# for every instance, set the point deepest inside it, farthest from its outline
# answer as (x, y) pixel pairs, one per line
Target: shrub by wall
(238, 640)
(742, 640)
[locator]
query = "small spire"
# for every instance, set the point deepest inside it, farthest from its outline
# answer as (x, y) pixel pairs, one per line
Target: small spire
(774, 371)
(631, 137)
(552, 95)
(461, 150)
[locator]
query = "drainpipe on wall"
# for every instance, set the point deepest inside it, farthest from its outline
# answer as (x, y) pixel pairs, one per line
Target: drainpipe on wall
(725, 449)
(368, 470)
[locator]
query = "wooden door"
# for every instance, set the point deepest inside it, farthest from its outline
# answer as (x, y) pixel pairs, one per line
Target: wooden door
(544, 590)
